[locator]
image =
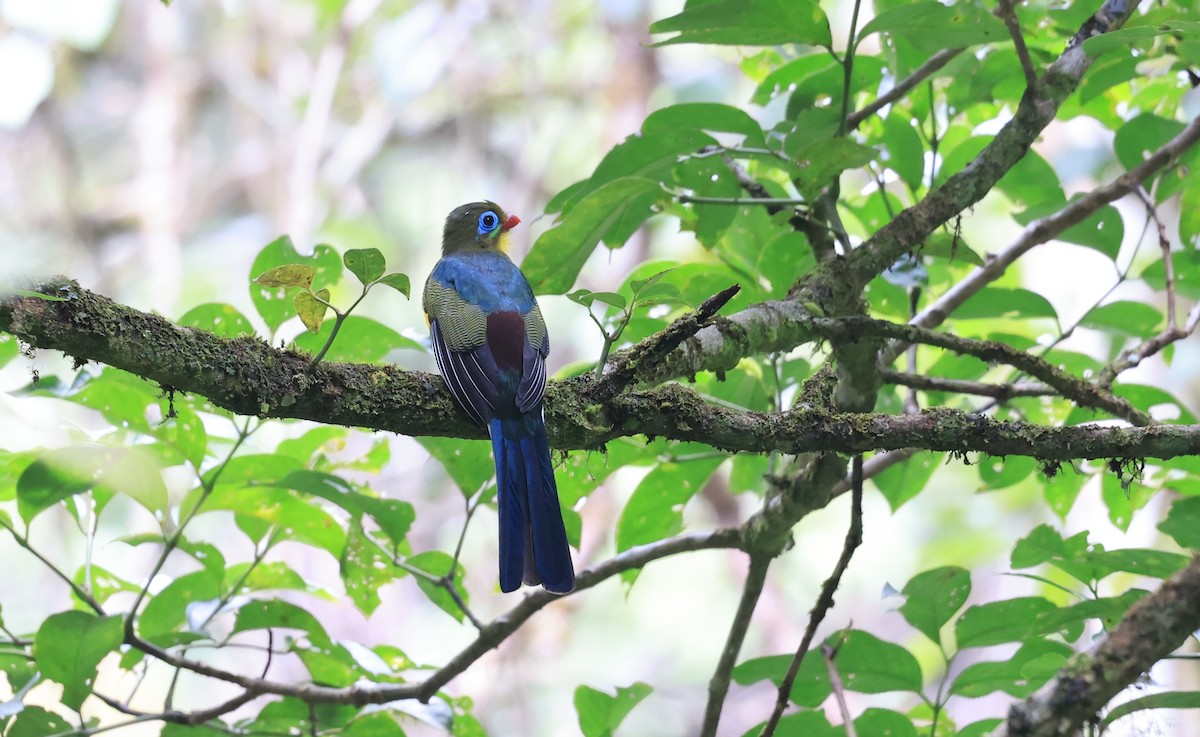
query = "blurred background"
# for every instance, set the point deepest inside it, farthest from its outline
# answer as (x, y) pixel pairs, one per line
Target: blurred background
(151, 151)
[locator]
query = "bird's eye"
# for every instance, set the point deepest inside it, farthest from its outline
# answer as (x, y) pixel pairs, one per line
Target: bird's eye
(488, 222)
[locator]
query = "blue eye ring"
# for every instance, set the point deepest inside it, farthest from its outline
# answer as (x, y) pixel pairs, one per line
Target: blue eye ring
(488, 222)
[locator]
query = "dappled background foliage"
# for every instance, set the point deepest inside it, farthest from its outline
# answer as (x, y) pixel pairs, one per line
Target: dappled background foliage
(166, 156)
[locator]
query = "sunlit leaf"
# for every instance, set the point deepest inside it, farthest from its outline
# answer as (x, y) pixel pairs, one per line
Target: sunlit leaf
(311, 309)
(748, 23)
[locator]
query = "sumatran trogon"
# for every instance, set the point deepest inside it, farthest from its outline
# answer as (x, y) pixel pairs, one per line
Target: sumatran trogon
(490, 343)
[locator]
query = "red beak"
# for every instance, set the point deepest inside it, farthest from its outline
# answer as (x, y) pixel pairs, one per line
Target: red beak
(509, 223)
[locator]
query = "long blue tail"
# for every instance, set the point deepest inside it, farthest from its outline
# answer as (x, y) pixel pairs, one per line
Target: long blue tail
(533, 542)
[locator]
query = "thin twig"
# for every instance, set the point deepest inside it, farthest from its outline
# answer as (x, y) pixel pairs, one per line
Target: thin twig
(828, 654)
(825, 599)
(1043, 229)
(718, 685)
(1001, 392)
(1164, 243)
(627, 365)
(1007, 13)
(903, 87)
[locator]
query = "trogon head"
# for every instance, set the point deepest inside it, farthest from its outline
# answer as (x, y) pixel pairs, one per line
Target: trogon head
(481, 226)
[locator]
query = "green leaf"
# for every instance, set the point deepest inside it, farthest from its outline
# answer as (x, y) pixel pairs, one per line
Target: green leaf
(931, 26)
(272, 614)
(558, 254)
(822, 161)
(221, 319)
(311, 310)
(68, 647)
(1009, 620)
(360, 340)
(1126, 37)
(933, 597)
(600, 713)
(168, 610)
(394, 517)
(903, 152)
(399, 282)
(1164, 700)
(748, 23)
(280, 508)
(468, 463)
(903, 481)
(376, 724)
(288, 275)
(868, 664)
(438, 564)
(884, 723)
(1183, 522)
(950, 247)
(1031, 666)
(997, 302)
(1000, 473)
(53, 477)
(34, 721)
(271, 302)
(367, 264)
(365, 569)
(706, 116)
(810, 688)
(1131, 318)
(1071, 555)
(655, 510)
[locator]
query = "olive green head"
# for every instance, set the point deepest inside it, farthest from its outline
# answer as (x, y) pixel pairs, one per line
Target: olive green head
(479, 226)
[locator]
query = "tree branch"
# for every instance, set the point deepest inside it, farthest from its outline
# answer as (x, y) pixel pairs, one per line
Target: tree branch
(247, 375)
(1151, 630)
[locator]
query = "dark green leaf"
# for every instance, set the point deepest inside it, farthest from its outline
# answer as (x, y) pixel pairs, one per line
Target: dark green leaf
(1108, 610)
(982, 728)
(559, 253)
(1009, 620)
(933, 597)
(748, 23)
(600, 713)
(376, 724)
(221, 319)
(69, 646)
(366, 263)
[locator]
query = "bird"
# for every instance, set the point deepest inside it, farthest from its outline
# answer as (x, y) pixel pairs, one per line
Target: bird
(490, 343)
